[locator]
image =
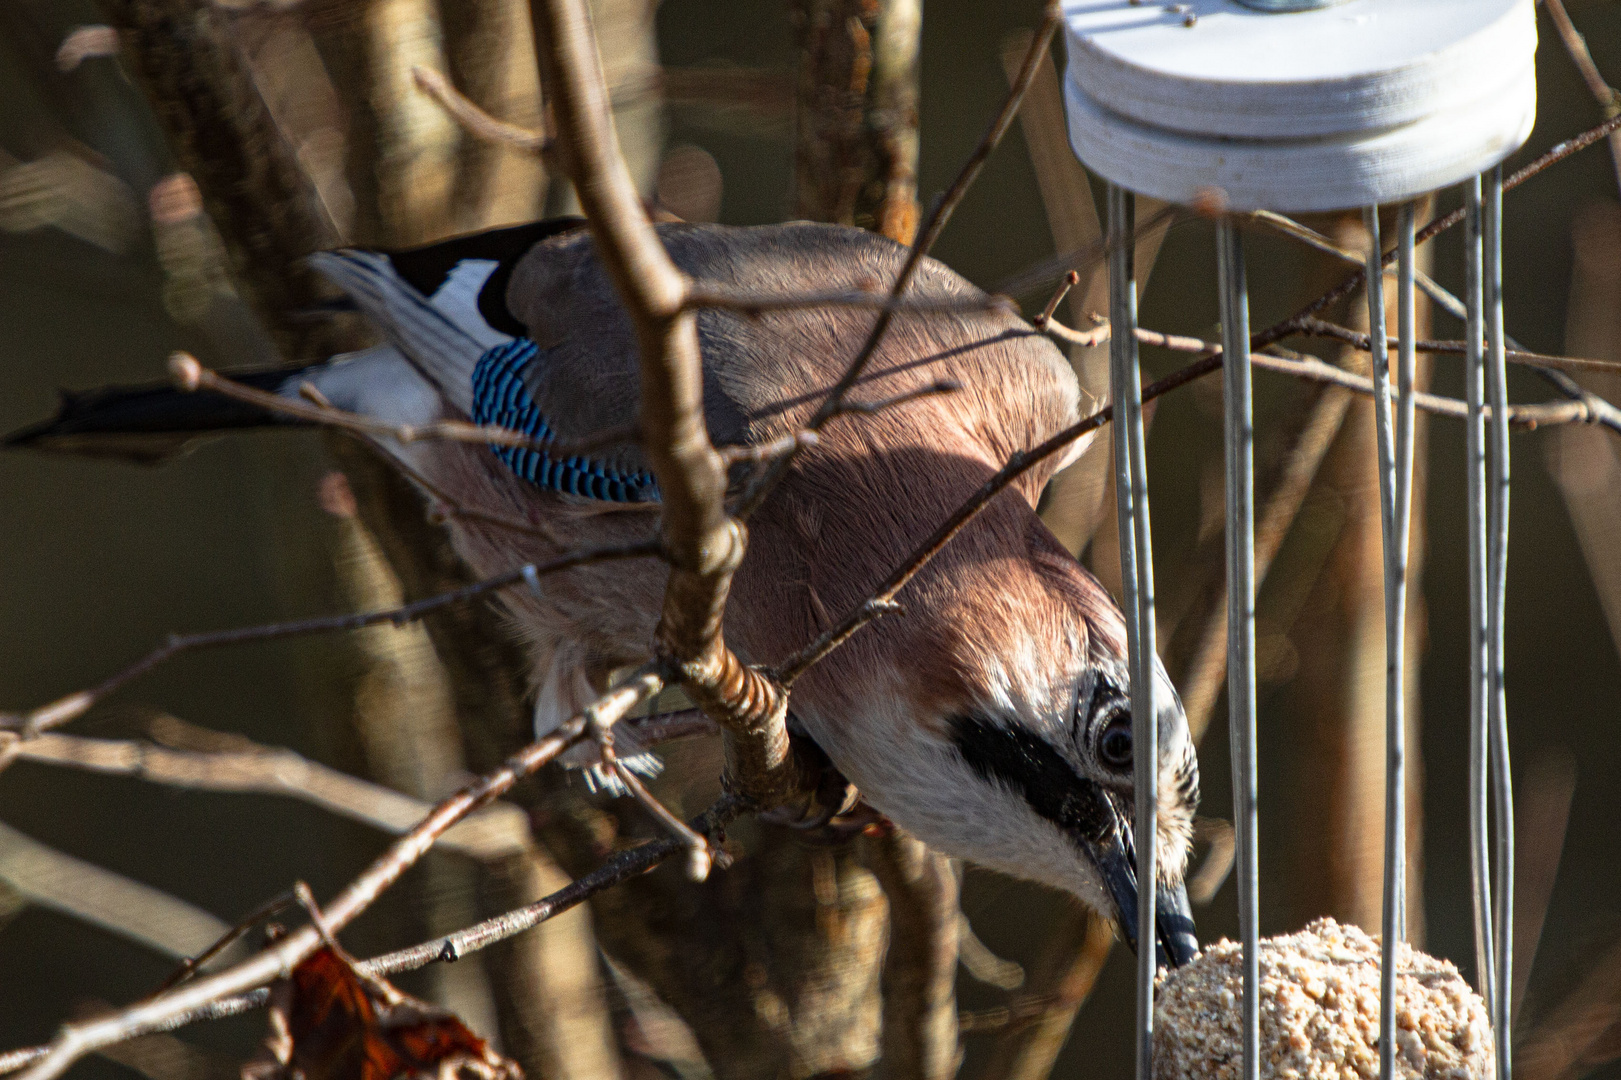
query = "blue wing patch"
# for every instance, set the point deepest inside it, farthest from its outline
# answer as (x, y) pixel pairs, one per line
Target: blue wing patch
(500, 398)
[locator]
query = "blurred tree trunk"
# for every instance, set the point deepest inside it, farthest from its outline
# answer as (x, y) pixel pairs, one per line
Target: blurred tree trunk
(1340, 687)
(855, 141)
(1584, 460)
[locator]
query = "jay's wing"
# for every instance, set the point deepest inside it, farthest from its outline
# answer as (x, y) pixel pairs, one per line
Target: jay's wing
(523, 328)
(766, 372)
(443, 312)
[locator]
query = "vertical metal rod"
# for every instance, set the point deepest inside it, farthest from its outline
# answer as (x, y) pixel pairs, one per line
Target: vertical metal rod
(1402, 528)
(1394, 438)
(1497, 582)
(1240, 454)
(1475, 484)
(1137, 574)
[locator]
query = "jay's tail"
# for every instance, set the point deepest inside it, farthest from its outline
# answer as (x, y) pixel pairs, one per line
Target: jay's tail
(439, 308)
(151, 422)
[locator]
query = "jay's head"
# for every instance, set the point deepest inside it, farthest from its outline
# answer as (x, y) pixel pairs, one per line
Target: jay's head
(993, 719)
(1049, 734)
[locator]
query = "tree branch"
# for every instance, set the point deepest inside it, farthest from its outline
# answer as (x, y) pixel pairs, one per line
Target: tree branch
(76, 704)
(936, 223)
(704, 545)
(76, 1040)
(450, 947)
(494, 832)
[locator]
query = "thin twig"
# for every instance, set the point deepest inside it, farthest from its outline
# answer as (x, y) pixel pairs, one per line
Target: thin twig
(1081, 259)
(1356, 339)
(882, 600)
(475, 120)
(1441, 224)
(926, 237)
(445, 506)
(1600, 411)
(1310, 326)
(1095, 336)
(1071, 279)
(627, 864)
(1608, 98)
(1528, 417)
(450, 947)
(76, 1040)
(757, 452)
(704, 294)
(868, 408)
(495, 832)
(75, 704)
(668, 727)
(189, 375)
(700, 856)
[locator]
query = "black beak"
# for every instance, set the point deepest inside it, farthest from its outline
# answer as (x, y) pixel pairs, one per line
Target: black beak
(1176, 942)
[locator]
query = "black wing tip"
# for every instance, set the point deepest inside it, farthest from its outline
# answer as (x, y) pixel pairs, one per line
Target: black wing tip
(146, 423)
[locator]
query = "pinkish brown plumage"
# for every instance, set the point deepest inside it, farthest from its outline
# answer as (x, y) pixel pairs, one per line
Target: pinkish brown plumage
(991, 718)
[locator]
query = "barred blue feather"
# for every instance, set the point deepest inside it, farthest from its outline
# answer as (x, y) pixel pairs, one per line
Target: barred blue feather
(501, 398)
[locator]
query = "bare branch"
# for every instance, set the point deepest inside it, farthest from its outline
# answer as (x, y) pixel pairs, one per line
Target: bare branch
(1071, 279)
(1600, 410)
(451, 947)
(1441, 224)
(1606, 95)
(737, 455)
(474, 120)
(700, 856)
(50, 878)
(190, 376)
(936, 223)
(494, 832)
(882, 600)
(668, 727)
(76, 1040)
(702, 294)
(703, 544)
(1057, 330)
(76, 704)
(1358, 340)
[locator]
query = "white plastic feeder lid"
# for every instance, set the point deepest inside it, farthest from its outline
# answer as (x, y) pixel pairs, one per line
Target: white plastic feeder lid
(1362, 102)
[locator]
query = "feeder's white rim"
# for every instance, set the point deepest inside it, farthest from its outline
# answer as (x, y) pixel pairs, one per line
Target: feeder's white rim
(1362, 65)
(1297, 176)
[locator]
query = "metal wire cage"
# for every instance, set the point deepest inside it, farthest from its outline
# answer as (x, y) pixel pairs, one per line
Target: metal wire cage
(1307, 105)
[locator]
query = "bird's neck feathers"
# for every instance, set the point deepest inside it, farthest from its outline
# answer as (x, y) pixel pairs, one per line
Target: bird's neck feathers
(999, 623)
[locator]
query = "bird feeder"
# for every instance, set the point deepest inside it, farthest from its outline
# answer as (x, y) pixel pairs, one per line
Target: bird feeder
(1291, 106)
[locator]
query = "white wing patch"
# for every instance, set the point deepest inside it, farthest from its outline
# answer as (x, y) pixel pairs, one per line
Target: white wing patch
(442, 338)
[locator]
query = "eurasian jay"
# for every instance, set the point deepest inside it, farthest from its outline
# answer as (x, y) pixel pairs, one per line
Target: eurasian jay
(991, 719)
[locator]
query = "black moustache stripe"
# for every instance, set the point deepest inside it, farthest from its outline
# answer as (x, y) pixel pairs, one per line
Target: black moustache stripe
(1028, 764)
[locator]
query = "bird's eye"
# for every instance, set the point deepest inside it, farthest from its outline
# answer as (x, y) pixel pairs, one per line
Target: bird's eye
(1114, 745)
